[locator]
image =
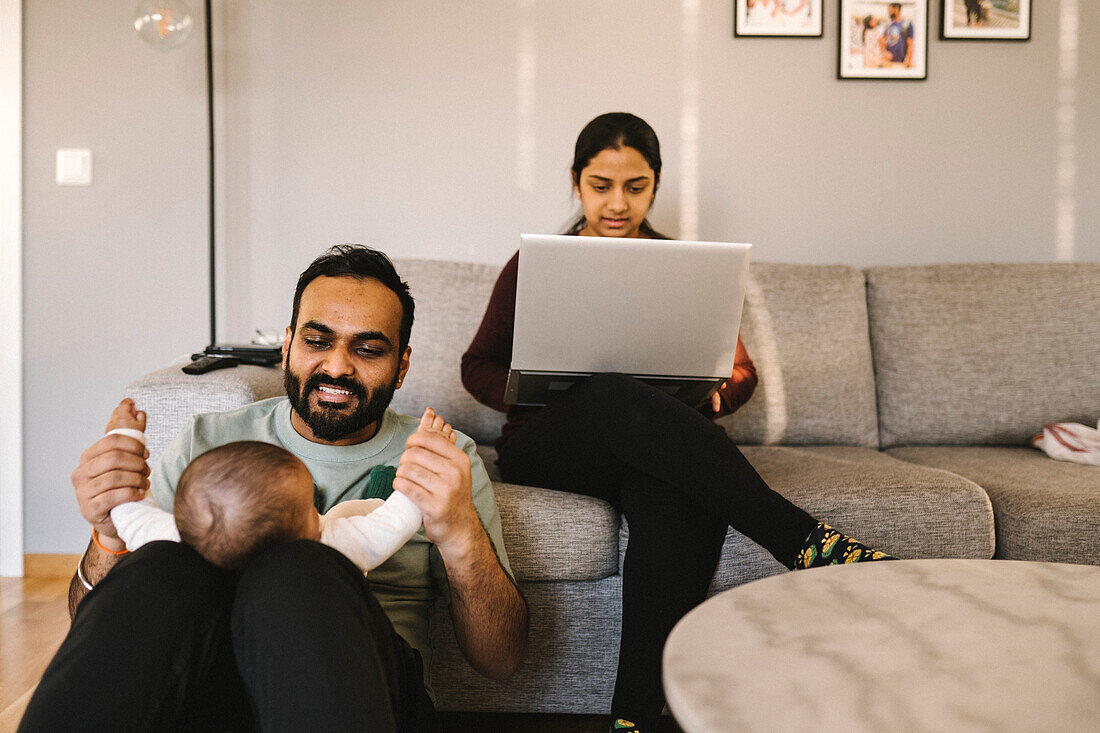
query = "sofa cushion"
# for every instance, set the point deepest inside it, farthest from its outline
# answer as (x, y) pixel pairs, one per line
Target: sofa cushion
(1045, 510)
(169, 397)
(450, 301)
(984, 354)
(805, 327)
(907, 510)
(584, 530)
(555, 535)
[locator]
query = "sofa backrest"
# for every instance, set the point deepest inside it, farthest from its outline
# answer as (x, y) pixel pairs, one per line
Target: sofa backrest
(450, 301)
(169, 397)
(984, 353)
(805, 328)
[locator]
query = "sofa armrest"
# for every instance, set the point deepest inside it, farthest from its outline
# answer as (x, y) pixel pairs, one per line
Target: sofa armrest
(169, 396)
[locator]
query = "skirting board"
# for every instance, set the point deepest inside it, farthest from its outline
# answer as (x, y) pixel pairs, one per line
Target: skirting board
(49, 566)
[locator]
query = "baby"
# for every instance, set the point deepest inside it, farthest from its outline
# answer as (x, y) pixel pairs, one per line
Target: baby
(236, 500)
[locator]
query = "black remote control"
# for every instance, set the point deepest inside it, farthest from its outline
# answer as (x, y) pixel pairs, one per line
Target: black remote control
(210, 363)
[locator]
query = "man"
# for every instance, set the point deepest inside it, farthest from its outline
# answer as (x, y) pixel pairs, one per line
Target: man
(974, 10)
(897, 41)
(162, 640)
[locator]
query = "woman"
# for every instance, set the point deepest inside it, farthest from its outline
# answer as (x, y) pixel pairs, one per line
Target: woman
(872, 46)
(674, 474)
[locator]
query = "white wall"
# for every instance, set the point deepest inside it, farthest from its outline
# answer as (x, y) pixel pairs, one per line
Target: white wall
(11, 294)
(445, 129)
(115, 273)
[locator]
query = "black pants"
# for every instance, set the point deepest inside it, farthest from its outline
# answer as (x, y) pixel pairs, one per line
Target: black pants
(678, 480)
(296, 642)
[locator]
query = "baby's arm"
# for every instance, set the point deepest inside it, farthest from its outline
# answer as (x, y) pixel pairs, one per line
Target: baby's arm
(139, 522)
(370, 539)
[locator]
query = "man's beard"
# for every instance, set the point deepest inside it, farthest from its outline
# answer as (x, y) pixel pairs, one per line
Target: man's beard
(332, 423)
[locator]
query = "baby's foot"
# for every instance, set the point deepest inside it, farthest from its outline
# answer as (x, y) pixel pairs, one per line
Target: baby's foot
(126, 417)
(432, 421)
(128, 421)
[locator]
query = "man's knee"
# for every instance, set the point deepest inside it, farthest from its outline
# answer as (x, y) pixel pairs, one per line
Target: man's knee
(301, 574)
(165, 577)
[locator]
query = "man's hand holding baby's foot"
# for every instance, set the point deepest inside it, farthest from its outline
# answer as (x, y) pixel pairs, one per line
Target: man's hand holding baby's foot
(129, 421)
(435, 474)
(112, 471)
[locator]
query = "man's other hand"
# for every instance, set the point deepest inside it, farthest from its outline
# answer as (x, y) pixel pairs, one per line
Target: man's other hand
(112, 471)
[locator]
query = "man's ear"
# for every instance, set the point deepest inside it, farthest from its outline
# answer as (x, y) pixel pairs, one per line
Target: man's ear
(404, 368)
(286, 345)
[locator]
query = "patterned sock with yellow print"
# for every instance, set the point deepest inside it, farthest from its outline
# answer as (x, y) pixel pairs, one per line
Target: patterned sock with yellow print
(827, 546)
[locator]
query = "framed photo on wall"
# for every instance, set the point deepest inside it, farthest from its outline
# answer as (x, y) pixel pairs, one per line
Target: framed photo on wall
(999, 20)
(777, 18)
(883, 40)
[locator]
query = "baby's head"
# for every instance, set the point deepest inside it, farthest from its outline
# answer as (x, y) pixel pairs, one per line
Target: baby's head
(236, 500)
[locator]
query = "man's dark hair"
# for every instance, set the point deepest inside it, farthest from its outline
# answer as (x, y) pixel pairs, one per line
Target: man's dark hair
(355, 260)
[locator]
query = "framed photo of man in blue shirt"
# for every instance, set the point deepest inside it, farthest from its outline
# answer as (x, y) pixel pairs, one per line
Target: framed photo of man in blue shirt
(883, 40)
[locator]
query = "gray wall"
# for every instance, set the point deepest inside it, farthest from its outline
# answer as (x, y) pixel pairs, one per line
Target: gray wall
(114, 273)
(445, 129)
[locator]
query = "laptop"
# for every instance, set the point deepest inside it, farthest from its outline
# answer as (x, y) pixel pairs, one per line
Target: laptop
(663, 311)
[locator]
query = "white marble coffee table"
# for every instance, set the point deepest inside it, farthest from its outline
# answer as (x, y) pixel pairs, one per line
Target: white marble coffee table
(914, 645)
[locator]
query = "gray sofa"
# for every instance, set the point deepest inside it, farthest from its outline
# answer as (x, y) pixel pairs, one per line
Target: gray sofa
(895, 403)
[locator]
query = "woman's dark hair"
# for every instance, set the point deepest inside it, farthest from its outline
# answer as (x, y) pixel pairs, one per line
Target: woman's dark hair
(355, 260)
(616, 130)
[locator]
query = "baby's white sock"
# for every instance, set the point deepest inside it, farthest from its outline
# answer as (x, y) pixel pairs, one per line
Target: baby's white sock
(139, 522)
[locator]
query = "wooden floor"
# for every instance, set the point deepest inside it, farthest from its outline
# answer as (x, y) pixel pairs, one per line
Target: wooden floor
(34, 620)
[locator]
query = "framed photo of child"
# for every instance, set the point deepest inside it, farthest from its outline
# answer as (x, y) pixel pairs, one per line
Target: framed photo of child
(777, 18)
(883, 40)
(996, 20)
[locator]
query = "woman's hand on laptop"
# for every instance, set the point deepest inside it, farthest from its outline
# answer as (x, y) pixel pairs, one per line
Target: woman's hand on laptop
(716, 398)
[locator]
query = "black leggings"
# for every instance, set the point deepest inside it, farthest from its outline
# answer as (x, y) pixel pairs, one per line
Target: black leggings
(678, 480)
(167, 642)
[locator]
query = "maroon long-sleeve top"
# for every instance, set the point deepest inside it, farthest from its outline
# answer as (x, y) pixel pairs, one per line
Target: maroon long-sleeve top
(487, 360)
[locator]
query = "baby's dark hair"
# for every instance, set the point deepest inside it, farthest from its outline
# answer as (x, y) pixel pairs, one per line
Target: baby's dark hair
(228, 503)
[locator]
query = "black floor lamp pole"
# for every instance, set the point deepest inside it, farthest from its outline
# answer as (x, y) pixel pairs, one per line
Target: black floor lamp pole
(210, 144)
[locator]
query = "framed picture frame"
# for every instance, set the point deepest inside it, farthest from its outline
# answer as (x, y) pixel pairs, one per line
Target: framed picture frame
(985, 20)
(778, 18)
(879, 39)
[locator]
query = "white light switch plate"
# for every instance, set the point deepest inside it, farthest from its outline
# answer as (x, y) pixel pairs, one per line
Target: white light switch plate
(74, 167)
